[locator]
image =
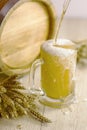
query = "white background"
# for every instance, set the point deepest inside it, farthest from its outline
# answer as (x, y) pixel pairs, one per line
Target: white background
(77, 8)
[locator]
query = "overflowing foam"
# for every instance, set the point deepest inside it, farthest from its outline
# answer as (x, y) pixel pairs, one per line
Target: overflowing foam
(64, 51)
(63, 48)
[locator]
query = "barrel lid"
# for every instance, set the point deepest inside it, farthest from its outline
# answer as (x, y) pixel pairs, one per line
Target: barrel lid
(25, 25)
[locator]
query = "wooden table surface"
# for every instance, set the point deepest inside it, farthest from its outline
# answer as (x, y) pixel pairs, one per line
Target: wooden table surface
(62, 119)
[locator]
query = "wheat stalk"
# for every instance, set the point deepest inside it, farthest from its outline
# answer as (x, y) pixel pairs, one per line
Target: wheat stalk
(14, 103)
(81, 47)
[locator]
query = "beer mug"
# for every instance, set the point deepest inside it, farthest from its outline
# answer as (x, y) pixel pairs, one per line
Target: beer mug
(58, 67)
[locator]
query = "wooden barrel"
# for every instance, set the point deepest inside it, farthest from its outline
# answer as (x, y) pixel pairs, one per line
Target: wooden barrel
(24, 26)
(2, 3)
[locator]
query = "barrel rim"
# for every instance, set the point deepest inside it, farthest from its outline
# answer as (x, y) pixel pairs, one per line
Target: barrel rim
(50, 9)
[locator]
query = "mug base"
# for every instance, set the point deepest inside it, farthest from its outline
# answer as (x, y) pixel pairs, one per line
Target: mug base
(57, 103)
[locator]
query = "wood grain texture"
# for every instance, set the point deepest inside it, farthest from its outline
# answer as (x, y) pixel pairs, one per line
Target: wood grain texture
(61, 119)
(2, 3)
(6, 6)
(23, 30)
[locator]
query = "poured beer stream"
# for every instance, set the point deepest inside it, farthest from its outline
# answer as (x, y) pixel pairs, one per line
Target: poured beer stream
(65, 7)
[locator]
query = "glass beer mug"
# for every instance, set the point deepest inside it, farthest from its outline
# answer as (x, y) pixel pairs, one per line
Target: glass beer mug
(58, 66)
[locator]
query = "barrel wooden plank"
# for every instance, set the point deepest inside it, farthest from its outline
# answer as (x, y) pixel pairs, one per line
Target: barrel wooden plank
(77, 118)
(26, 25)
(2, 3)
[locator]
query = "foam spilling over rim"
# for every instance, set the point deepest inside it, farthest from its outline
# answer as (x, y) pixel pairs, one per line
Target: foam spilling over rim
(62, 48)
(63, 53)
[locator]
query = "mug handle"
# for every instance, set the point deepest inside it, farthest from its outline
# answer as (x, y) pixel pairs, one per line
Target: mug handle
(33, 89)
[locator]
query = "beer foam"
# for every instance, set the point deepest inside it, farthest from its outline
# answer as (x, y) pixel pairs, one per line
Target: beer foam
(63, 51)
(63, 48)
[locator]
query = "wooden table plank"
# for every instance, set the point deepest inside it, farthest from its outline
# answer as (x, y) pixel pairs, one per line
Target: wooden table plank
(76, 119)
(61, 119)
